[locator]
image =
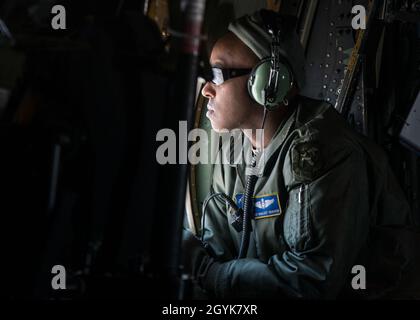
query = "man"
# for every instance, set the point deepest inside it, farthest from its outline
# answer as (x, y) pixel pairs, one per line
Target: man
(320, 189)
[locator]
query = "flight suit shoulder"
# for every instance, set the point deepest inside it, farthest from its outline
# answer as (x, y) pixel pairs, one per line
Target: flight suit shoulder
(316, 147)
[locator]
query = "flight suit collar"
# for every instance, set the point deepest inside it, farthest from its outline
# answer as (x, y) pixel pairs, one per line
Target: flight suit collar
(308, 110)
(305, 111)
(278, 138)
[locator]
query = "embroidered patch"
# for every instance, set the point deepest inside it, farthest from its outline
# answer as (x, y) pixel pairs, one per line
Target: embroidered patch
(306, 160)
(265, 206)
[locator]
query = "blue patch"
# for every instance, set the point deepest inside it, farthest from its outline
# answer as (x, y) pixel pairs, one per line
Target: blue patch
(265, 206)
(239, 200)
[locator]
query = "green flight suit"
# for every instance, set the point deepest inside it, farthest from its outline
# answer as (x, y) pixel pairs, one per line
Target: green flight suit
(327, 185)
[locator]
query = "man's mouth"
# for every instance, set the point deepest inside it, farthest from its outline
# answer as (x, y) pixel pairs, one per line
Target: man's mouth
(210, 106)
(210, 109)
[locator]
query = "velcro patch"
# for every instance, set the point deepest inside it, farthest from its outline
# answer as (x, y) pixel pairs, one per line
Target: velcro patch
(306, 160)
(265, 206)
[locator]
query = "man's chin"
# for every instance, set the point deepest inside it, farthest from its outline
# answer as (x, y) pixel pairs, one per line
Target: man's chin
(219, 129)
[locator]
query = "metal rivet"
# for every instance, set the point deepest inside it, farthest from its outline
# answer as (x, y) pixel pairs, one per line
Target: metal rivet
(327, 65)
(328, 55)
(324, 86)
(326, 76)
(340, 48)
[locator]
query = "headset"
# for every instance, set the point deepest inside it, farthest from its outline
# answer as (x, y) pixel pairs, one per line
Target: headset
(271, 79)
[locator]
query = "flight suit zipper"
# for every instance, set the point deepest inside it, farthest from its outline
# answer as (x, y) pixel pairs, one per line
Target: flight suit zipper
(301, 194)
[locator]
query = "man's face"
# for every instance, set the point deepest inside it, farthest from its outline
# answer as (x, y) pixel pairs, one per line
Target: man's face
(230, 106)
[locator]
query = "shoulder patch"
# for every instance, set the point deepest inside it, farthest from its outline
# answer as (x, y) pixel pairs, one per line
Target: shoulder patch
(306, 160)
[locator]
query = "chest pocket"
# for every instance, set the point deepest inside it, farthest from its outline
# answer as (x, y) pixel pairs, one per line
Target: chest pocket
(297, 227)
(266, 239)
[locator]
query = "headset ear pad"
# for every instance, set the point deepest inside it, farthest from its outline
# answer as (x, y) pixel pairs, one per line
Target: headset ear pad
(258, 81)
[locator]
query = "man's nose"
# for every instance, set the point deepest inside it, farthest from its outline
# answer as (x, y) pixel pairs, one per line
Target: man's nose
(208, 91)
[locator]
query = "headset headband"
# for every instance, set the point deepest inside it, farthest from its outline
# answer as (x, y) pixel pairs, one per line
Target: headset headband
(272, 22)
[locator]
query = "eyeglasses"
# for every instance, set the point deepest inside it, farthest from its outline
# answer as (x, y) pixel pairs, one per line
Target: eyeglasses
(221, 75)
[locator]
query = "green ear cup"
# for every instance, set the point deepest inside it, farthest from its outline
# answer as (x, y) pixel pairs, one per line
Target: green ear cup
(258, 81)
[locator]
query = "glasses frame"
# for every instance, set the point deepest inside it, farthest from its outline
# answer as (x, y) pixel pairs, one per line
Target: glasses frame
(228, 73)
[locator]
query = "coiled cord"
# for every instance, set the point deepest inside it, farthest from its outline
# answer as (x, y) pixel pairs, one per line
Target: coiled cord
(248, 207)
(248, 198)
